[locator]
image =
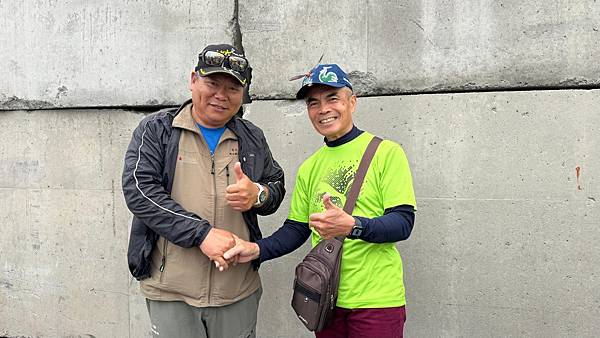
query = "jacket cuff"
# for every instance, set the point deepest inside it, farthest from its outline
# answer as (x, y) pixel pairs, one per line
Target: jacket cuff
(203, 234)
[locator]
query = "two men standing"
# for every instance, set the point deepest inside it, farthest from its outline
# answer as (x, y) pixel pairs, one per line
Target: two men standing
(193, 204)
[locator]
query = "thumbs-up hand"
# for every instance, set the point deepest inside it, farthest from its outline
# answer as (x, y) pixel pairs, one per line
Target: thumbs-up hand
(332, 222)
(243, 193)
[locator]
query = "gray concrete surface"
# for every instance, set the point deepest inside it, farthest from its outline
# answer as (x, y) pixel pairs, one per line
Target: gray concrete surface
(104, 53)
(503, 244)
(429, 45)
(115, 53)
(506, 233)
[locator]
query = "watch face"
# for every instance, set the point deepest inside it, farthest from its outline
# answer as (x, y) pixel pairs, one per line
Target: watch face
(262, 196)
(356, 232)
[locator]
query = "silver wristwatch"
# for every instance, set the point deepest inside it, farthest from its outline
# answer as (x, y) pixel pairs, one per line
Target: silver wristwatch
(261, 197)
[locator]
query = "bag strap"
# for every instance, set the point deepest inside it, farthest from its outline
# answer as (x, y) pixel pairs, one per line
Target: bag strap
(359, 176)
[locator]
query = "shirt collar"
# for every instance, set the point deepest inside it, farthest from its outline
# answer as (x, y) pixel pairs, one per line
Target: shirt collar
(349, 136)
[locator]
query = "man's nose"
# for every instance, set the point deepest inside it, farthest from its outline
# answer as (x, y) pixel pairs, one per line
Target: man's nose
(221, 93)
(324, 108)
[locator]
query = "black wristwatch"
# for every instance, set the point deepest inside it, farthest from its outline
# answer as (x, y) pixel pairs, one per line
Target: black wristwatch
(357, 229)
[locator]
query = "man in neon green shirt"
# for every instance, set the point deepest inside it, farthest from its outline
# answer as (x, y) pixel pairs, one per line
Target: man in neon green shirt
(371, 300)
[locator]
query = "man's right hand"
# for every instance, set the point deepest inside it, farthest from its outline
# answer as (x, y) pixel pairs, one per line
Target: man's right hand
(216, 243)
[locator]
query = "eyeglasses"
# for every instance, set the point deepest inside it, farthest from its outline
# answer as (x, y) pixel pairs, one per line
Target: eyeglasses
(217, 59)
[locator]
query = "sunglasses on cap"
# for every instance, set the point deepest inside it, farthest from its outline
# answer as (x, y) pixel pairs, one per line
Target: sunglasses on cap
(217, 59)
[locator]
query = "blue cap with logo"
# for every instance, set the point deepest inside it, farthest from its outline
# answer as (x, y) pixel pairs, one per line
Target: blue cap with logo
(324, 74)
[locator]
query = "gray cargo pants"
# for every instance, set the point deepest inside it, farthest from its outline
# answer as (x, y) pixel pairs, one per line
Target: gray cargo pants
(180, 320)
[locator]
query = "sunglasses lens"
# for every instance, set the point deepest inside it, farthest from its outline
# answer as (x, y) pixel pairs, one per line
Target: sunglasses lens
(237, 63)
(213, 58)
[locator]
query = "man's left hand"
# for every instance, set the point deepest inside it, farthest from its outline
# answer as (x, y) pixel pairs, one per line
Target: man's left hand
(243, 251)
(333, 222)
(243, 193)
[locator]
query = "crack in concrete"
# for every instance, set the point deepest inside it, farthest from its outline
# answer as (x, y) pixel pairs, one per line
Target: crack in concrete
(365, 88)
(234, 24)
(236, 34)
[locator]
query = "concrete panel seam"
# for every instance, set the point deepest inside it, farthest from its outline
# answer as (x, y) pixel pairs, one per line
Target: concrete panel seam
(35, 105)
(468, 88)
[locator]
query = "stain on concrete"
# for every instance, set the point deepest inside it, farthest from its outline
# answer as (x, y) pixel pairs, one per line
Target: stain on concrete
(61, 91)
(6, 284)
(424, 32)
(26, 167)
(169, 103)
(154, 104)
(114, 212)
(363, 82)
(574, 82)
(16, 103)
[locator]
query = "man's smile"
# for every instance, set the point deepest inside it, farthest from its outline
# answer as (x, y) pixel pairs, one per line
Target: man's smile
(327, 120)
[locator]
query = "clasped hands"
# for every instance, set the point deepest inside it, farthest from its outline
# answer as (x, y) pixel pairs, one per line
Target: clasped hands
(240, 196)
(330, 223)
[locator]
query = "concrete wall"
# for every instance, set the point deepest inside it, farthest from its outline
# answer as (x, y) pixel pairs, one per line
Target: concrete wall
(505, 238)
(115, 53)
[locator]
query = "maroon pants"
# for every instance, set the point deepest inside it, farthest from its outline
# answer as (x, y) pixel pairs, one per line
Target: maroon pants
(366, 323)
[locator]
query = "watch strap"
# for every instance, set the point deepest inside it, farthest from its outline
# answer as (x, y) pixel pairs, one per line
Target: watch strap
(261, 190)
(357, 229)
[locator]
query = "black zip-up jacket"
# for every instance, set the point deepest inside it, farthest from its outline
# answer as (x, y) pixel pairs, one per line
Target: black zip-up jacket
(148, 179)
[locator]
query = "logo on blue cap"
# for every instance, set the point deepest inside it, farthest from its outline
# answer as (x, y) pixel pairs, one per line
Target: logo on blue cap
(325, 74)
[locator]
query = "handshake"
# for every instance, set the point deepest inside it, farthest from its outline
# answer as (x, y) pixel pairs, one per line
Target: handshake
(225, 248)
(222, 246)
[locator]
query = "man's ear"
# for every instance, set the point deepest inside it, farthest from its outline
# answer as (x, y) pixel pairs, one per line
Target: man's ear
(353, 102)
(193, 80)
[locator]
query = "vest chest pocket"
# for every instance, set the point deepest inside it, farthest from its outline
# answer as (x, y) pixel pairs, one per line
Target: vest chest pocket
(188, 157)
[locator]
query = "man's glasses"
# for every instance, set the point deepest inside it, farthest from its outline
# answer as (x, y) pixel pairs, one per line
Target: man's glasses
(216, 59)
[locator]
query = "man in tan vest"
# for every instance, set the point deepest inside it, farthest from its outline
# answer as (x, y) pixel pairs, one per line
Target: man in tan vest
(194, 177)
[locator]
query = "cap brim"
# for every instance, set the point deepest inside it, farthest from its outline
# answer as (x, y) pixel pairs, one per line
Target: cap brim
(213, 70)
(302, 92)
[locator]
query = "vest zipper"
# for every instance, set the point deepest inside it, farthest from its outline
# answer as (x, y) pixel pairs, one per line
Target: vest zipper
(214, 218)
(212, 164)
(163, 260)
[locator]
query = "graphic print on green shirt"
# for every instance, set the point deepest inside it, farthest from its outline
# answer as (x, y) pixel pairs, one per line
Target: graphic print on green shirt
(371, 274)
(337, 182)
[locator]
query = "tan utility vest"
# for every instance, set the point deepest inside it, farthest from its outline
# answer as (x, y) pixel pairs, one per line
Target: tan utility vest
(186, 274)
